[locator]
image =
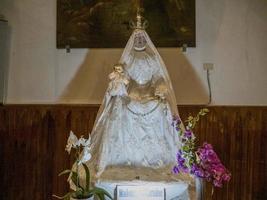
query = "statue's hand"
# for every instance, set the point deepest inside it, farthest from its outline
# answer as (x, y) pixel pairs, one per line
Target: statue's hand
(117, 88)
(161, 91)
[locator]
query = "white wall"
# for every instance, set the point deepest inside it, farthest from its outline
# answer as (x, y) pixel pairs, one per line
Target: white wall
(230, 33)
(4, 58)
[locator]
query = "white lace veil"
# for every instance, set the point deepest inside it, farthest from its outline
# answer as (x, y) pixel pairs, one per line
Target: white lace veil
(98, 133)
(159, 62)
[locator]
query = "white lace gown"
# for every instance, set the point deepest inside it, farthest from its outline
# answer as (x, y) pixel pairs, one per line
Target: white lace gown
(132, 136)
(138, 131)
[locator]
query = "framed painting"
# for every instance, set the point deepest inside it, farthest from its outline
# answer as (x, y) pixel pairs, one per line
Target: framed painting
(105, 23)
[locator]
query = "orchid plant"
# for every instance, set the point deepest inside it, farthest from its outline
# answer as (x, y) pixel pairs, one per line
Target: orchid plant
(82, 153)
(201, 162)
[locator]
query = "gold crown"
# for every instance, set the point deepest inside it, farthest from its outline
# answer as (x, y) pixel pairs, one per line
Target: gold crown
(141, 22)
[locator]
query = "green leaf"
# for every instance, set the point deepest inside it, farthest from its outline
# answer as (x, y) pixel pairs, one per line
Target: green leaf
(75, 180)
(206, 110)
(65, 197)
(87, 172)
(185, 148)
(190, 118)
(190, 125)
(97, 191)
(87, 194)
(79, 194)
(203, 111)
(67, 171)
(101, 196)
(180, 132)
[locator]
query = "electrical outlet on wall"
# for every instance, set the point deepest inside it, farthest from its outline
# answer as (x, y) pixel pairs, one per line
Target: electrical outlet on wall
(208, 66)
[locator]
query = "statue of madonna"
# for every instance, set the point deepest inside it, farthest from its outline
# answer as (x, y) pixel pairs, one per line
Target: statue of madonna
(133, 137)
(133, 128)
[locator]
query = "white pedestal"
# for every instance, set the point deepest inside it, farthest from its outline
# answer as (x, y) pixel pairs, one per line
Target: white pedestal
(173, 190)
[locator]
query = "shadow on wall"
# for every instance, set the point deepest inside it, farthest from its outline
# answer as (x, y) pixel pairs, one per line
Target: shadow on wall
(89, 83)
(5, 42)
(187, 84)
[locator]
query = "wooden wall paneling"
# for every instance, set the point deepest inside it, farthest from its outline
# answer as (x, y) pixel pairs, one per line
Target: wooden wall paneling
(33, 139)
(3, 151)
(260, 181)
(60, 159)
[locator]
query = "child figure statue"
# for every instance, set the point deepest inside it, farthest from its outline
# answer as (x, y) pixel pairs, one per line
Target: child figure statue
(118, 81)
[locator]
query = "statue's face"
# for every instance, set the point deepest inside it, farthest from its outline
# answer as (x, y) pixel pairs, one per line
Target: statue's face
(139, 42)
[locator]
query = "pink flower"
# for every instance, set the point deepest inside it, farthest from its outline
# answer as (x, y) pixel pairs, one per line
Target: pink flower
(214, 170)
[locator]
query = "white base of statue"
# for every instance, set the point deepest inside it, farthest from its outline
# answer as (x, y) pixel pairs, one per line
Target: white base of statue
(173, 190)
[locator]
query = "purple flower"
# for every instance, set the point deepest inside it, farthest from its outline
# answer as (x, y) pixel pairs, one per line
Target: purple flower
(209, 166)
(181, 163)
(203, 163)
(226, 177)
(214, 170)
(176, 121)
(188, 134)
(197, 171)
(217, 183)
(176, 170)
(180, 159)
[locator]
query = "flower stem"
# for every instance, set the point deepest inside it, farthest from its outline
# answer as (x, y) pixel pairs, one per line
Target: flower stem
(77, 166)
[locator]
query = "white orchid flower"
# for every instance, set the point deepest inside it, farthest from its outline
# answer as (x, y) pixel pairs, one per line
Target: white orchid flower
(84, 142)
(86, 154)
(72, 142)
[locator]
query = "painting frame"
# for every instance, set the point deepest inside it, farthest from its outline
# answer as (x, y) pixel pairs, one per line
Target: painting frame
(105, 24)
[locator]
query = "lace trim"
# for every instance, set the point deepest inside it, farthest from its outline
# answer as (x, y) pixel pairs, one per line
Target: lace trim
(143, 114)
